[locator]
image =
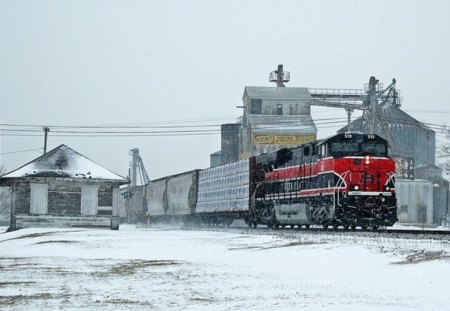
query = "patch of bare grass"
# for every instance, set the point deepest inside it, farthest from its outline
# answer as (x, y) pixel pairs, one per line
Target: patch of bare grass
(290, 244)
(120, 301)
(424, 256)
(39, 234)
(203, 299)
(12, 300)
(131, 267)
(31, 236)
(12, 283)
(57, 242)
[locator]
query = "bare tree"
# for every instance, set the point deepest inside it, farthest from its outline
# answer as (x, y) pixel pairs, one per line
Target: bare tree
(444, 150)
(5, 204)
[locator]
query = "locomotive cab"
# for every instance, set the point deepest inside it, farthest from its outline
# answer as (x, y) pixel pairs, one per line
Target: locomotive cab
(367, 197)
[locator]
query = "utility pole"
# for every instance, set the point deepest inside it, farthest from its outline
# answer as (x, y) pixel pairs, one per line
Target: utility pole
(46, 130)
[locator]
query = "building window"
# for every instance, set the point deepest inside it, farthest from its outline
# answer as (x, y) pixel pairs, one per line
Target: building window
(279, 109)
(255, 106)
(404, 209)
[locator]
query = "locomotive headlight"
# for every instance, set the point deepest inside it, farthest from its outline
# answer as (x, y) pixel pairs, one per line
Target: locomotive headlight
(367, 158)
(356, 188)
(387, 188)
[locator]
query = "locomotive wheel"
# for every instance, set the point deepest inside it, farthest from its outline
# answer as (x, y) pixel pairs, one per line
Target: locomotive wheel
(353, 227)
(307, 226)
(299, 227)
(375, 227)
(255, 224)
(345, 227)
(292, 226)
(325, 225)
(335, 226)
(364, 227)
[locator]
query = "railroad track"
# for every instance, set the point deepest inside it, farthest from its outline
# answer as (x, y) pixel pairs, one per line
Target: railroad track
(395, 233)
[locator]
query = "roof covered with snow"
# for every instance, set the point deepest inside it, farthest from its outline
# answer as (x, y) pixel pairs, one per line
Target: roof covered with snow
(65, 162)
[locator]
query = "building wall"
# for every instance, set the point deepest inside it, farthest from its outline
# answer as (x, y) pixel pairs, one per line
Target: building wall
(229, 143)
(64, 199)
(21, 197)
(414, 201)
(5, 206)
(278, 107)
(215, 159)
(56, 198)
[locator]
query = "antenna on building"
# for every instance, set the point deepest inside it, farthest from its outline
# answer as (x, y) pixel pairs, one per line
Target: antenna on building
(279, 76)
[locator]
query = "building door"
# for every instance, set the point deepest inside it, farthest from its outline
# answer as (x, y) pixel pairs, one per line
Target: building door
(38, 198)
(89, 200)
(421, 213)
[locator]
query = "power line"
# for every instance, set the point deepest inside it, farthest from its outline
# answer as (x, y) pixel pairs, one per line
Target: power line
(171, 130)
(20, 151)
(127, 126)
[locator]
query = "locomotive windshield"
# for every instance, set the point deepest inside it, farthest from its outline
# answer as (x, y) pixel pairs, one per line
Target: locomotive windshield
(374, 148)
(344, 147)
(351, 148)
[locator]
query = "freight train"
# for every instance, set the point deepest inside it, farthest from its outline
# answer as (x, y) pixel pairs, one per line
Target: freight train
(346, 180)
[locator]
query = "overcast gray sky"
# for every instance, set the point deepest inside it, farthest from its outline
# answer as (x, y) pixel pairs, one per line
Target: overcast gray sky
(124, 63)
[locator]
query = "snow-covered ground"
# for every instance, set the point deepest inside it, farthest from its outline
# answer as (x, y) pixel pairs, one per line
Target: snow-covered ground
(172, 269)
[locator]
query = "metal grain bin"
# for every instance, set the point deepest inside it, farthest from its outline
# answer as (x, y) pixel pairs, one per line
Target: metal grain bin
(414, 201)
(403, 132)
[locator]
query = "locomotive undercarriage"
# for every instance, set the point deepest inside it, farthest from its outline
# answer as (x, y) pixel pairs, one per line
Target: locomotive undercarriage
(326, 210)
(368, 210)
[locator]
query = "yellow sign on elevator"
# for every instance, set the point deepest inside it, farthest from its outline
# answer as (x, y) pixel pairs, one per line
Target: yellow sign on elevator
(283, 139)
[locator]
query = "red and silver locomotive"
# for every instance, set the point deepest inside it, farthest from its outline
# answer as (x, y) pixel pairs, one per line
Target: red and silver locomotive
(346, 180)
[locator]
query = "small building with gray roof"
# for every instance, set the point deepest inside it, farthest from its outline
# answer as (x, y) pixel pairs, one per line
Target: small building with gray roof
(63, 188)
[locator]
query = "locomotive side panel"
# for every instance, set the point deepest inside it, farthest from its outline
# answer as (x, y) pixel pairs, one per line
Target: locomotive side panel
(293, 213)
(182, 193)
